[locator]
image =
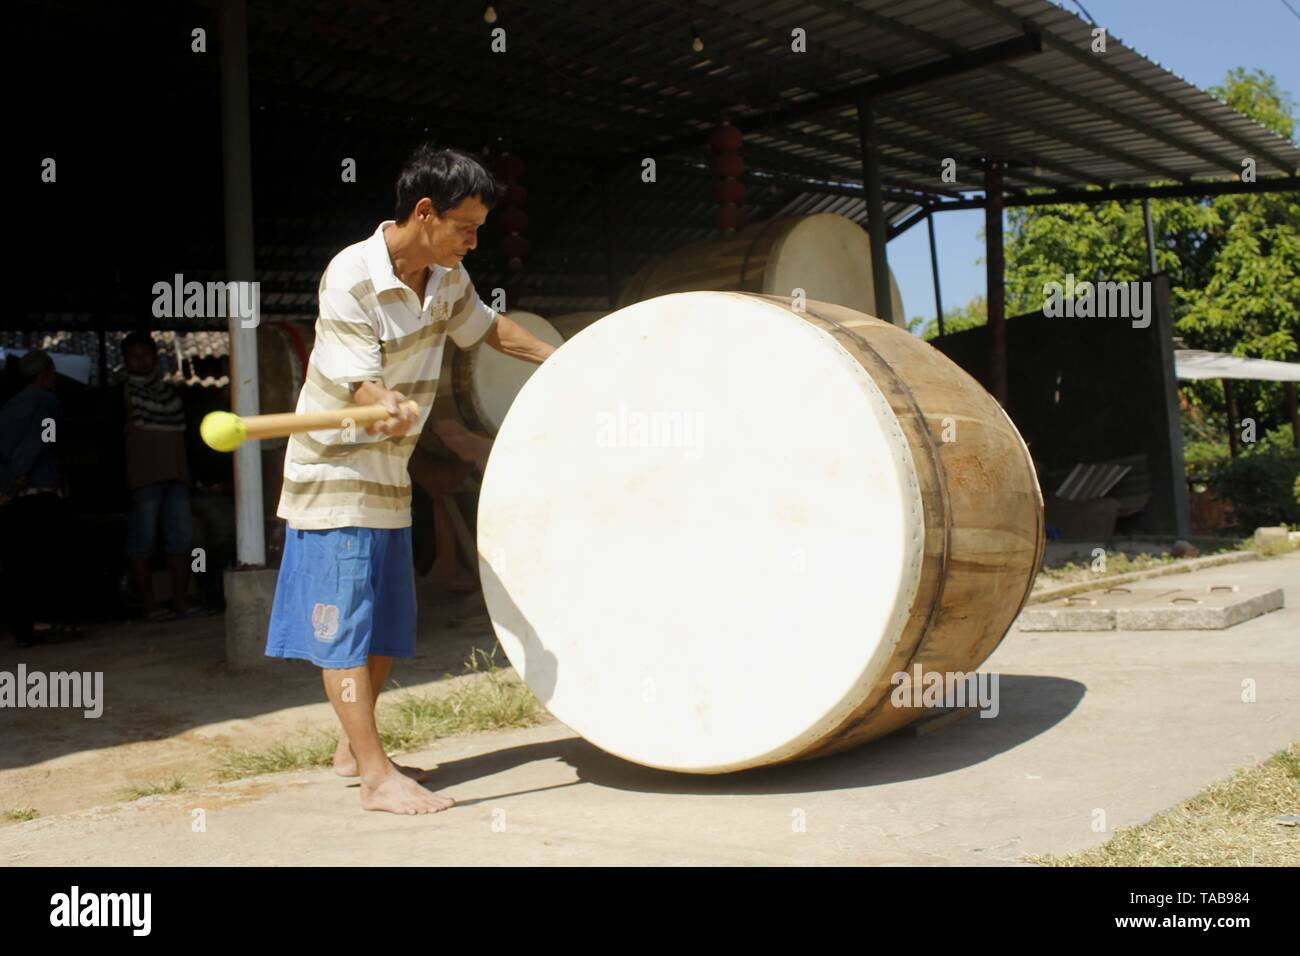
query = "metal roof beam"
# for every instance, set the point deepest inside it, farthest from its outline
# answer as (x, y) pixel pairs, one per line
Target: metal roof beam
(1129, 193)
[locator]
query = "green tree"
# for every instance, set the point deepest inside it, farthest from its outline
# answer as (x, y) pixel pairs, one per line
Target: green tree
(973, 313)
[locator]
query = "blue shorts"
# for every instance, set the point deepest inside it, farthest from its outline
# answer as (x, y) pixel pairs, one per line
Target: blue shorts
(171, 501)
(344, 595)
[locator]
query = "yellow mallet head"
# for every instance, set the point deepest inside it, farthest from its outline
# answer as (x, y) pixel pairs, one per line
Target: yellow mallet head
(223, 431)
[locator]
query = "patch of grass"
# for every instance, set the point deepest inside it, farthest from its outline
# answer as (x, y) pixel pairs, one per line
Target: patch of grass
(1117, 562)
(490, 699)
(487, 698)
(1269, 549)
(136, 791)
(1230, 823)
(314, 750)
(21, 814)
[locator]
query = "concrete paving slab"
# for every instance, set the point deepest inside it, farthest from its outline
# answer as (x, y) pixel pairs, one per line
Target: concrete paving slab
(1211, 606)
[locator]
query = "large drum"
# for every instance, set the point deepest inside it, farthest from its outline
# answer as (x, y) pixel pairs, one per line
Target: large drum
(477, 386)
(714, 528)
(826, 255)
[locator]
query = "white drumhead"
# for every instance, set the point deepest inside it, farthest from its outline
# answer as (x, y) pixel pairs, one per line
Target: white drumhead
(829, 257)
(495, 379)
(700, 532)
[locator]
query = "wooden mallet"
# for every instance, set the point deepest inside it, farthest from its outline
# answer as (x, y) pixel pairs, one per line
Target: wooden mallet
(226, 431)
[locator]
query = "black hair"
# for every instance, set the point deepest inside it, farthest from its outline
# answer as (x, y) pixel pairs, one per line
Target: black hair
(138, 338)
(448, 177)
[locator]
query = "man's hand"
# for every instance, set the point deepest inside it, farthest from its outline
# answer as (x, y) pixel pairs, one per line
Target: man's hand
(399, 419)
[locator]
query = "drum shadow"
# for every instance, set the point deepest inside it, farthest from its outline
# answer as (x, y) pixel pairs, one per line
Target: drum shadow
(1030, 705)
(540, 665)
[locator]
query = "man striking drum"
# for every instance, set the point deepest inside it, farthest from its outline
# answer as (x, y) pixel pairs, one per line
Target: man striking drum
(345, 597)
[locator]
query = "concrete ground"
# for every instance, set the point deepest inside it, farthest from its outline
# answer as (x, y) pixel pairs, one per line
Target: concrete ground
(1128, 723)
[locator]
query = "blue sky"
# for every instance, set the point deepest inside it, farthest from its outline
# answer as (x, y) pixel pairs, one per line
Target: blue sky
(1200, 40)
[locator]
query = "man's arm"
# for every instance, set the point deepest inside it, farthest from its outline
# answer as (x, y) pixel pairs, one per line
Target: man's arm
(511, 338)
(472, 322)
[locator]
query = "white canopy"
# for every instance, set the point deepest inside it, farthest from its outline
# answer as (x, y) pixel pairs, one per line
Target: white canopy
(1193, 363)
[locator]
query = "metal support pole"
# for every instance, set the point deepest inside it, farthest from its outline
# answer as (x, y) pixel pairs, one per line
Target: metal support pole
(995, 280)
(1151, 236)
(237, 178)
(1230, 401)
(876, 225)
(1292, 414)
(934, 271)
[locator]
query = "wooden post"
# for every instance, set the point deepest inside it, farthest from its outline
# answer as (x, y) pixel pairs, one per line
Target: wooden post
(874, 190)
(995, 279)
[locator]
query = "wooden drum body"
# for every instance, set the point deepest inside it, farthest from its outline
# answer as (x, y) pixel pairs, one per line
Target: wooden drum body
(714, 528)
(825, 254)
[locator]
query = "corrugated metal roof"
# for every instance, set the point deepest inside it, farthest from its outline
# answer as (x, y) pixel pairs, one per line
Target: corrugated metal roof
(586, 90)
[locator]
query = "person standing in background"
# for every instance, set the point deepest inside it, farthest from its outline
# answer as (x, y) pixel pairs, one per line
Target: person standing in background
(31, 491)
(158, 477)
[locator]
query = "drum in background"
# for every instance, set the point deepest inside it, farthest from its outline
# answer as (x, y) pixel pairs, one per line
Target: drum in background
(825, 254)
(483, 382)
(283, 349)
(571, 323)
(715, 528)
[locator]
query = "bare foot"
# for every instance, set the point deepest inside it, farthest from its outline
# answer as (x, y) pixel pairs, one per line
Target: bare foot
(398, 794)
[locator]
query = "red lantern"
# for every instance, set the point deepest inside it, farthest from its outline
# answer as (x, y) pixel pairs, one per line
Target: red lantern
(514, 219)
(725, 138)
(515, 247)
(728, 164)
(729, 217)
(515, 195)
(729, 190)
(509, 167)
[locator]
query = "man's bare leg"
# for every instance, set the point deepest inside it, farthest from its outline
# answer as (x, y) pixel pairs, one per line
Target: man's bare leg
(383, 787)
(345, 761)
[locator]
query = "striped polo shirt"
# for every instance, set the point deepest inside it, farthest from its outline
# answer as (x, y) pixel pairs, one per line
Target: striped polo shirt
(372, 326)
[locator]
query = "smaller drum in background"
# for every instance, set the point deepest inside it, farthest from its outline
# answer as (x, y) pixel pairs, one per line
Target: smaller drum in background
(484, 382)
(282, 352)
(571, 323)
